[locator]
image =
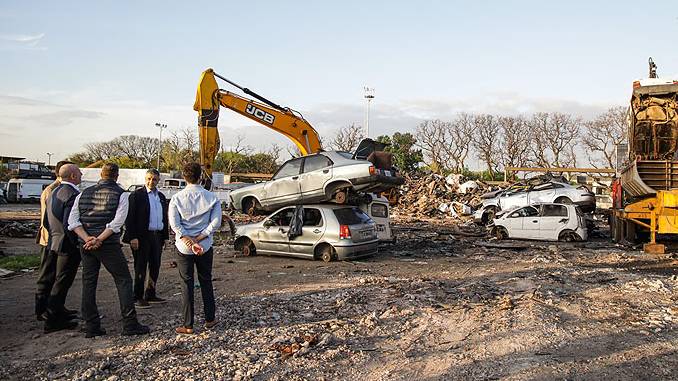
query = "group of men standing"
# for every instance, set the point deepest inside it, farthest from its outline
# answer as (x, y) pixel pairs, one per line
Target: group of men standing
(86, 227)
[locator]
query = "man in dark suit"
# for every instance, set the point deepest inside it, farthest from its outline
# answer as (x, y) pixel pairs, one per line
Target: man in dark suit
(63, 247)
(146, 230)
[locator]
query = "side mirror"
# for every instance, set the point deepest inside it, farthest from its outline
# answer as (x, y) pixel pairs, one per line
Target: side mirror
(268, 223)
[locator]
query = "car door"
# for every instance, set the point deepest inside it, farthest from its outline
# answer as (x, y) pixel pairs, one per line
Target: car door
(542, 193)
(513, 198)
(514, 224)
(283, 188)
(531, 222)
(316, 172)
(554, 218)
(311, 232)
(273, 236)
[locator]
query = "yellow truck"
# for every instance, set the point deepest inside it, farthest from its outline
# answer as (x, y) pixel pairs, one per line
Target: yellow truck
(645, 196)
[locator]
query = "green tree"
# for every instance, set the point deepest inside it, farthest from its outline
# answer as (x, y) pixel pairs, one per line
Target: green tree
(405, 156)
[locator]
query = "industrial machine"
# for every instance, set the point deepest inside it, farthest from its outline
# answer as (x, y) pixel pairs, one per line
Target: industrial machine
(645, 196)
(281, 119)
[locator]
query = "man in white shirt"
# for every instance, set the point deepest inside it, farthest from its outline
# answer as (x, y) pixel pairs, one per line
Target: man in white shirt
(194, 215)
(97, 216)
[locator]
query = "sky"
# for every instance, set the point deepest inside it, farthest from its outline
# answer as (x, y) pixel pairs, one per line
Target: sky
(75, 72)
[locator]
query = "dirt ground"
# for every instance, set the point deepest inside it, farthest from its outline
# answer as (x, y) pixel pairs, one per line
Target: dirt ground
(437, 305)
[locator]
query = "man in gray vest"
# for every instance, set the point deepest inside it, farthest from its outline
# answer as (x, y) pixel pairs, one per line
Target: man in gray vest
(63, 247)
(97, 216)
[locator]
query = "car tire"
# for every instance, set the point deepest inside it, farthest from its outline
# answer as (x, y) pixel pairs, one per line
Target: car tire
(248, 249)
(563, 200)
(501, 233)
(251, 206)
(341, 196)
(569, 236)
(327, 253)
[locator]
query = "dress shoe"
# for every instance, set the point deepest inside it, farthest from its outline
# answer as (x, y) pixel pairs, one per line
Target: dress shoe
(90, 333)
(140, 303)
(155, 299)
(184, 330)
(68, 311)
(210, 324)
(58, 325)
(136, 329)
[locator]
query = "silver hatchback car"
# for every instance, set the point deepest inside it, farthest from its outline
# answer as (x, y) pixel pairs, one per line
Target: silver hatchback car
(328, 232)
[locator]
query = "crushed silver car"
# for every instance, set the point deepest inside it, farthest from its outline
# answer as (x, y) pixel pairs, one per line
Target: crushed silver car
(332, 176)
(526, 194)
(328, 232)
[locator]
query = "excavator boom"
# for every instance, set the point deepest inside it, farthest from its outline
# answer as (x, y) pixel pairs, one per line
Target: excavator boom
(283, 120)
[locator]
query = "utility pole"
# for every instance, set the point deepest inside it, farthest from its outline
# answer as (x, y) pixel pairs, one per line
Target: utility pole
(161, 126)
(49, 158)
(369, 95)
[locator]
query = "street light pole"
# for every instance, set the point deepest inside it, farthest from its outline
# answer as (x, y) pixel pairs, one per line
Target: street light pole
(161, 126)
(369, 95)
(49, 158)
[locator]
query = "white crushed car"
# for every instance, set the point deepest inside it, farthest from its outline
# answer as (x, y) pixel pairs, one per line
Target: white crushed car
(527, 194)
(544, 221)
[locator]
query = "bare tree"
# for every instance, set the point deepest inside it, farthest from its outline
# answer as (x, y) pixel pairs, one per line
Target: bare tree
(486, 141)
(515, 141)
(603, 133)
(347, 138)
(554, 139)
(458, 136)
(431, 136)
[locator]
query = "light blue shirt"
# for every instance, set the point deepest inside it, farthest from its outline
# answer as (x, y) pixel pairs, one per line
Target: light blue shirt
(155, 211)
(194, 211)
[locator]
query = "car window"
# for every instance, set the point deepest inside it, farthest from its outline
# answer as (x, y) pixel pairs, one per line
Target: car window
(554, 211)
(283, 217)
(542, 187)
(527, 211)
(312, 217)
(346, 155)
(290, 168)
(315, 162)
(351, 216)
(379, 210)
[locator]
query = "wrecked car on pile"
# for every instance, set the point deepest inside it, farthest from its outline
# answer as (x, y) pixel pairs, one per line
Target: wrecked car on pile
(522, 194)
(328, 232)
(331, 176)
(545, 221)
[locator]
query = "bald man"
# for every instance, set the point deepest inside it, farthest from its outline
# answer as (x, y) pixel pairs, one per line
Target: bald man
(63, 246)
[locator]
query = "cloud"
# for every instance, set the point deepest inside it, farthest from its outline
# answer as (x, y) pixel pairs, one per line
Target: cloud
(22, 41)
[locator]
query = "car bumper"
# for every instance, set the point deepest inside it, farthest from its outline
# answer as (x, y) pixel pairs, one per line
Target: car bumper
(377, 183)
(357, 250)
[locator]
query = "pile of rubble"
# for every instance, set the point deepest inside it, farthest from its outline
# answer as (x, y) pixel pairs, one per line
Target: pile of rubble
(433, 195)
(19, 228)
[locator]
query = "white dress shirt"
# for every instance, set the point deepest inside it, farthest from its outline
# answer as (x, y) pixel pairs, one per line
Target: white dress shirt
(115, 225)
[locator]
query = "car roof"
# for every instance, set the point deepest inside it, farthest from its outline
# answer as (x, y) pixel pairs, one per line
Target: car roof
(322, 206)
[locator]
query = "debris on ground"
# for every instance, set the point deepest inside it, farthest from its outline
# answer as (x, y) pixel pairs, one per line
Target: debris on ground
(19, 228)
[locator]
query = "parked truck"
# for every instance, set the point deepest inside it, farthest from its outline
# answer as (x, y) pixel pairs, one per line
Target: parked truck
(645, 196)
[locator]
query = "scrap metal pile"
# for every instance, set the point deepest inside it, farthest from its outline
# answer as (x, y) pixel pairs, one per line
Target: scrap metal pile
(433, 195)
(19, 228)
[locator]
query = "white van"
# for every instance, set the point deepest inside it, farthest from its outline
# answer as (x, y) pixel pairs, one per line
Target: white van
(26, 190)
(379, 210)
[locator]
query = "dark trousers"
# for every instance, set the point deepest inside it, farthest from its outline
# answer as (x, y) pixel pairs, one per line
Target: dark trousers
(147, 259)
(56, 275)
(203, 264)
(113, 259)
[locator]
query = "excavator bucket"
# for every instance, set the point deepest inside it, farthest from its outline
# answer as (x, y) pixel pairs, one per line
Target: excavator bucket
(207, 106)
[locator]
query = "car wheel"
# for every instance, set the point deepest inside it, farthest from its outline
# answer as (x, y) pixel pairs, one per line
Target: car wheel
(248, 248)
(341, 196)
(569, 236)
(563, 200)
(501, 233)
(327, 254)
(251, 206)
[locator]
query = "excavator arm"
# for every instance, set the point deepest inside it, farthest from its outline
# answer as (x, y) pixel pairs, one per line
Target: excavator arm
(280, 119)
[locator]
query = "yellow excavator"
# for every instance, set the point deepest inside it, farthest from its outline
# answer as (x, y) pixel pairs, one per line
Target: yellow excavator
(281, 119)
